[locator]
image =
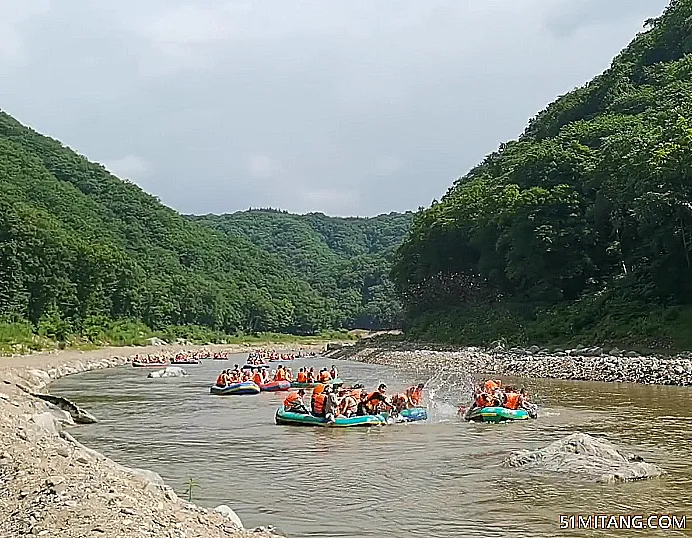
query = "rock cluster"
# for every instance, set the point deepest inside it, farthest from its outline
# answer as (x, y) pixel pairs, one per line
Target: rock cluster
(169, 371)
(586, 364)
(582, 454)
(53, 486)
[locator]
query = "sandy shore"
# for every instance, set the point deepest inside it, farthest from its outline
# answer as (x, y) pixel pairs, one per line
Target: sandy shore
(53, 486)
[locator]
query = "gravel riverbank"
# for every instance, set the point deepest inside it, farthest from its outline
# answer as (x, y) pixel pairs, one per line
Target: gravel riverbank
(53, 486)
(582, 364)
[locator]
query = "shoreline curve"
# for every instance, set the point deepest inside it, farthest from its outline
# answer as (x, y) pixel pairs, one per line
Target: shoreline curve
(54, 486)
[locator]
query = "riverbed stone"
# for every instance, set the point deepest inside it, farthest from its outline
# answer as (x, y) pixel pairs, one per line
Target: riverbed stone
(582, 454)
(229, 514)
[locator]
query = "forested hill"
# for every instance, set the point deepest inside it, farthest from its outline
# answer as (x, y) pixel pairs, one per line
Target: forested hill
(346, 259)
(582, 228)
(81, 250)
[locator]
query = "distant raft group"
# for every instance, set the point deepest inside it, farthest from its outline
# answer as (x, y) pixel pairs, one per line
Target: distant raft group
(253, 378)
(181, 357)
(270, 355)
(331, 403)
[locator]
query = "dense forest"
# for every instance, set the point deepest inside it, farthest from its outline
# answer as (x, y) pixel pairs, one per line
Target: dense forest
(580, 229)
(82, 251)
(347, 260)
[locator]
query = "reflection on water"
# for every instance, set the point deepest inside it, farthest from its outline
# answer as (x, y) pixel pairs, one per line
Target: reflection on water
(440, 479)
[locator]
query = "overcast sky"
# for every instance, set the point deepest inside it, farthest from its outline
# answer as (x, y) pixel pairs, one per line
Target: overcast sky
(349, 107)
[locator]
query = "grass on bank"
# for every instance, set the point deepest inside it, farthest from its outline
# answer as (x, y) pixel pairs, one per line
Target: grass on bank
(604, 321)
(20, 337)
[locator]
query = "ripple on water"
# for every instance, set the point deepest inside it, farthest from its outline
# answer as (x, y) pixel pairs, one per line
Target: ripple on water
(440, 479)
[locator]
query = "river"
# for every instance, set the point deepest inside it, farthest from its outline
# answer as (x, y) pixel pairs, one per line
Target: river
(439, 479)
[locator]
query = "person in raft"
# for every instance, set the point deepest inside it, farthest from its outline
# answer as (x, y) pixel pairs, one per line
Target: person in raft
(294, 402)
(376, 402)
(413, 395)
(310, 375)
(324, 403)
(281, 373)
(324, 376)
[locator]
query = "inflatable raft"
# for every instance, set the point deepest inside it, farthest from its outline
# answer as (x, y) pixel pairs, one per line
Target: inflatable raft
(274, 386)
(251, 366)
(414, 414)
(496, 414)
(187, 361)
(296, 385)
(246, 387)
(300, 419)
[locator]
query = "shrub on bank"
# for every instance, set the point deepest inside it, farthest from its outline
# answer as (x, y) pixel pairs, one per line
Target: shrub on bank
(593, 321)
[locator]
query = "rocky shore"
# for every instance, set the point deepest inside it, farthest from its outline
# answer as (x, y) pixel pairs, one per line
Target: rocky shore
(583, 364)
(53, 486)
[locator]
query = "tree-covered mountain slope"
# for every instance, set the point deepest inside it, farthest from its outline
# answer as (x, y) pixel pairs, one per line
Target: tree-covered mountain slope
(582, 228)
(80, 247)
(346, 259)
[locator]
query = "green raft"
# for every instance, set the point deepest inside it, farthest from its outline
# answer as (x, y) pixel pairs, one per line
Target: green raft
(496, 414)
(296, 385)
(301, 419)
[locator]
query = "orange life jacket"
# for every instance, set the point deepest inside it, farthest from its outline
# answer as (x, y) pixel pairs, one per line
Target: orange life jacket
(324, 376)
(373, 404)
(399, 400)
(512, 400)
(490, 386)
(302, 378)
(415, 395)
(483, 400)
(318, 401)
(221, 380)
(291, 399)
(280, 375)
(257, 379)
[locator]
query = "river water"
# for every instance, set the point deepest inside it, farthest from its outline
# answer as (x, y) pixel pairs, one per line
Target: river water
(441, 479)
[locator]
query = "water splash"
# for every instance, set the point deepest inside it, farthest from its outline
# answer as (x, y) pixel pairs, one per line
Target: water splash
(445, 392)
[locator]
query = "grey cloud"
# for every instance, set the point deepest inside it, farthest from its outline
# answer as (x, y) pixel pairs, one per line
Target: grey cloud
(571, 16)
(343, 107)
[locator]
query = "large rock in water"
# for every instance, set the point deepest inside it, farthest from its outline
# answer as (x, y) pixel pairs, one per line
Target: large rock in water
(169, 371)
(229, 514)
(579, 453)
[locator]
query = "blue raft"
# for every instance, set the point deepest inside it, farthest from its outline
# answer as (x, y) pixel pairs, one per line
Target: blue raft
(414, 414)
(246, 387)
